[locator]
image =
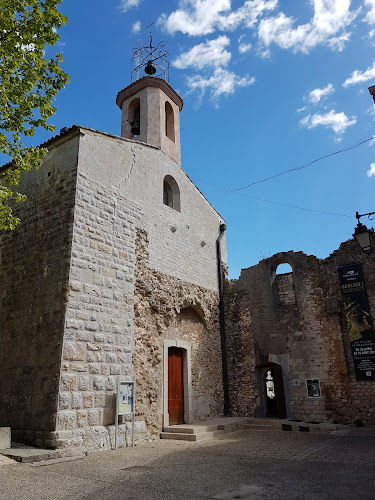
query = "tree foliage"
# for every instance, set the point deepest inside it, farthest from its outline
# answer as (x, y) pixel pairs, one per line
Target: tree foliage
(29, 84)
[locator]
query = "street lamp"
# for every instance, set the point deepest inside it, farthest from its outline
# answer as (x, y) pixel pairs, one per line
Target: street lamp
(362, 234)
(372, 91)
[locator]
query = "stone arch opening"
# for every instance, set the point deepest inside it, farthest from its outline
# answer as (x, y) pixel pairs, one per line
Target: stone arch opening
(195, 312)
(176, 348)
(282, 279)
(134, 117)
(169, 122)
(271, 391)
(171, 193)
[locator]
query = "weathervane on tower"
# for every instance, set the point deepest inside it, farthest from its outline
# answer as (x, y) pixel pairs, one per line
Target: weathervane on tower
(154, 60)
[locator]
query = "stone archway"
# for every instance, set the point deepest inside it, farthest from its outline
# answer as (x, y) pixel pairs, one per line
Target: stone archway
(186, 380)
(271, 391)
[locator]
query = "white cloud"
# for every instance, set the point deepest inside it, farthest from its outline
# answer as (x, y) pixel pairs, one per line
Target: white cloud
(359, 77)
(317, 94)
(128, 4)
(211, 53)
(197, 18)
(327, 27)
(371, 33)
(201, 17)
(221, 82)
(370, 16)
(244, 47)
(136, 28)
(264, 53)
(299, 110)
(371, 171)
(338, 42)
(338, 122)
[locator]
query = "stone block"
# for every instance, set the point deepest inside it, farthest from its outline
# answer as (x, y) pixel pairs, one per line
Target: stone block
(98, 383)
(66, 420)
(64, 400)
(74, 351)
(93, 416)
(77, 400)
(5, 437)
(88, 400)
(94, 368)
(82, 418)
(83, 382)
(115, 369)
(68, 382)
(110, 383)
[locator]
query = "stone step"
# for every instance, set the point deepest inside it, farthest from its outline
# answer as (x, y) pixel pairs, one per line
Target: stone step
(30, 454)
(199, 436)
(178, 436)
(190, 430)
(259, 425)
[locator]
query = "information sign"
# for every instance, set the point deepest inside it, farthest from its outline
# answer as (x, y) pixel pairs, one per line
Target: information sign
(125, 404)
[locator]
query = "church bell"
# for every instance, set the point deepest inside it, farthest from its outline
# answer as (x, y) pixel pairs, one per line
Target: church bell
(150, 68)
(136, 129)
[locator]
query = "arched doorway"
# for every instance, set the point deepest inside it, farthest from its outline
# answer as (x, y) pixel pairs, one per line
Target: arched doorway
(272, 391)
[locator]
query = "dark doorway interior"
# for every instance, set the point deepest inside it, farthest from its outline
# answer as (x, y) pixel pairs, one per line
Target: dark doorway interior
(274, 391)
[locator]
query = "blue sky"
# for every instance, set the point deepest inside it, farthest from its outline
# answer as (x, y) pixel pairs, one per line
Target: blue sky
(268, 85)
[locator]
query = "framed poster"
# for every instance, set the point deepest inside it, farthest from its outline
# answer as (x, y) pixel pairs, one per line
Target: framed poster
(358, 320)
(313, 388)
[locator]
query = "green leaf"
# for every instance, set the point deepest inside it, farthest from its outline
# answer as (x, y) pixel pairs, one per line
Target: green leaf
(28, 87)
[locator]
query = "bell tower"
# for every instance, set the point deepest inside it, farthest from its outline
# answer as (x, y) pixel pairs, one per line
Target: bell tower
(150, 107)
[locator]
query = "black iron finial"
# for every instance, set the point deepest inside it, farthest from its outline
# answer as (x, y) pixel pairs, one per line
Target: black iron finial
(149, 26)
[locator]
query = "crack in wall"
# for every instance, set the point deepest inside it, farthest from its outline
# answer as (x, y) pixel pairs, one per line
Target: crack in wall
(125, 180)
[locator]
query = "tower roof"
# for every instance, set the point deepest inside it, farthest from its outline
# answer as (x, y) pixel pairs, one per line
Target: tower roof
(149, 81)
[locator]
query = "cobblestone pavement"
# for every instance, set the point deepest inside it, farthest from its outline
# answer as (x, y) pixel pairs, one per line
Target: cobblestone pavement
(240, 465)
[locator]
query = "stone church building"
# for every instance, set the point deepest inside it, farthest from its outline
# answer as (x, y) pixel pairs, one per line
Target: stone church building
(112, 273)
(117, 272)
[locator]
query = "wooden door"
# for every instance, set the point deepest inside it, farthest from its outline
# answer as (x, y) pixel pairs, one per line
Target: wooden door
(175, 386)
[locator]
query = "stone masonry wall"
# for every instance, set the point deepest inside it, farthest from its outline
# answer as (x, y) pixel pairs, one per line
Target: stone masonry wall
(34, 273)
(98, 338)
(182, 243)
(307, 337)
(168, 308)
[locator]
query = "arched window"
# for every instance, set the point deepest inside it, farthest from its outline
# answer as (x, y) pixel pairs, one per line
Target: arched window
(169, 121)
(285, 284)
(171, 193)
(284, 268)
(134, 117)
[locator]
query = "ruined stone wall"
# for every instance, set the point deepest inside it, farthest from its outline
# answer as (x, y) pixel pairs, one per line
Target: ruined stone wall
(170, 309)
(34, 273)
(296, 321)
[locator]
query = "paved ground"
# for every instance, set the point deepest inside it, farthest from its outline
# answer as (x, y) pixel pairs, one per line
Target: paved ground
(241, 465)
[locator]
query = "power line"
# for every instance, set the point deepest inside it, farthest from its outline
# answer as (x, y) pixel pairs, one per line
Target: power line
(274, 202)
(305, 165)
